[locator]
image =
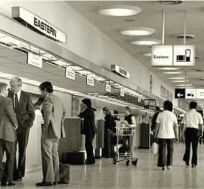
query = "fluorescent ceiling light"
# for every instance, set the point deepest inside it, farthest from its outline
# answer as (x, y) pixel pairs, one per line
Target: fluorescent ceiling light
(148, 54)
(84, 72)
(120, 10)
(61, 63)
(146, 42)
(172, 73)
(137, 31)
(180, 81)
(76, 68)
(184, 85)
(177, 77)
(168, 68)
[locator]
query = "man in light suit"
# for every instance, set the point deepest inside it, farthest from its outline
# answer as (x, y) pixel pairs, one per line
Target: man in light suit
(8, 124)
(53, 114)
(25, 113)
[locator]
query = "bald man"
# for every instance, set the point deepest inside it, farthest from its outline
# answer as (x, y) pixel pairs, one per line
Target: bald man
(25, 113)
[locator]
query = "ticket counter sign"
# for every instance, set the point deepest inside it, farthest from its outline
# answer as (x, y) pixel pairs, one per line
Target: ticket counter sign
(184, 55)
(108, 88)
(122, 92)
(34, 60)
(90, 80)
(191, 93)
(200, 93)
(70, 73)
(162, 55)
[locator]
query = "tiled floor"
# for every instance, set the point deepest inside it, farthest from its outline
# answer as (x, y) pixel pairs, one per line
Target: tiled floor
(105, 175)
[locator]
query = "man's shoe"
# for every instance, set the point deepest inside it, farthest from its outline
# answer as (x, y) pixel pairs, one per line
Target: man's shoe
(193, 165)
(44, 184)
(163, 168)
(7, 183)
(169, 167)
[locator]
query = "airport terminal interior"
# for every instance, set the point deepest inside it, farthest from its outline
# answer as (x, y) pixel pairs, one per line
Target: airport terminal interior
(127, 58)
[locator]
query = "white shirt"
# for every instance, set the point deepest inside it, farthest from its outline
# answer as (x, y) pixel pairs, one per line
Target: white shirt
(192, 119)
(167, 120)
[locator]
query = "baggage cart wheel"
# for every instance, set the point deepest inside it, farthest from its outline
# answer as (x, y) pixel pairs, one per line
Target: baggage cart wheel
(127, 162)
(135, 162)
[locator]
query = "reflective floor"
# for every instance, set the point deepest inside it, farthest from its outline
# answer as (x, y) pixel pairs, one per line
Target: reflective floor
(105, 175)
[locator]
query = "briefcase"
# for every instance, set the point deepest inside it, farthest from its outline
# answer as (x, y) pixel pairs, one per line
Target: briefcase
(73, 158)
(64, 173)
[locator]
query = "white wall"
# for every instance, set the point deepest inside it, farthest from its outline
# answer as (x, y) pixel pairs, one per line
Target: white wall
(87, 41)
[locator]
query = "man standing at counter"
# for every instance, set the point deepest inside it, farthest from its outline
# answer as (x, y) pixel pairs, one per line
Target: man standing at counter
(53, 112)
(25, 114)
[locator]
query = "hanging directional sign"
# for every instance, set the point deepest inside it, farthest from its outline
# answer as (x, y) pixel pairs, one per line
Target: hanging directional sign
(191, 93)
(162, 55)
(184, 55)
(180, 93)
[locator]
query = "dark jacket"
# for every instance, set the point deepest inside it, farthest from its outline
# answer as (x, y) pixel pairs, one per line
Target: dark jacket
(110, 123)
(89, 127)
(8, 120)
(25, 112)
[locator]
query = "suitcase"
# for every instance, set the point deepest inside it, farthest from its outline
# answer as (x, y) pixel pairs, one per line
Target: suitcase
(64, 173)
(73, 158)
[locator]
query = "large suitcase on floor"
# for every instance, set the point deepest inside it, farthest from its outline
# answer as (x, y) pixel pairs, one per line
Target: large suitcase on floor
(73, 158)
(64, 176)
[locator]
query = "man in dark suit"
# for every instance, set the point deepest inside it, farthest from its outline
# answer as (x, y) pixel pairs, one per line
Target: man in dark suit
(25, 113)
(8, 124)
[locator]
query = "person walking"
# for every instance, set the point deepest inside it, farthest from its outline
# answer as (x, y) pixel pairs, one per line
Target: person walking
(166, 132)
(25, 113)
(89, 128)
(193, 122)
(8, 125)
(53, 112)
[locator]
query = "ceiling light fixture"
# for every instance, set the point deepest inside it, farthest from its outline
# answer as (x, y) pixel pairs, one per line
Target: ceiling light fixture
(146, 42)
(180, 81)
(176, 77)
(184, 85)
(172, 73)
(120, 10)
(168, 68)
(137, 31)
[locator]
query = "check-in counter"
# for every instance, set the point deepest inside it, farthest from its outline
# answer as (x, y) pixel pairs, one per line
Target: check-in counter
(99, 138)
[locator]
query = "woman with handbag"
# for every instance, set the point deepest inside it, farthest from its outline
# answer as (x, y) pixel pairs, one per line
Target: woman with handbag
(166, 132)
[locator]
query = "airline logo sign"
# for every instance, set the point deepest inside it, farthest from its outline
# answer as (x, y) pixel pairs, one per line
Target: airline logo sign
(162, 55)
(38, 24)
(173, 55)
(184, 55)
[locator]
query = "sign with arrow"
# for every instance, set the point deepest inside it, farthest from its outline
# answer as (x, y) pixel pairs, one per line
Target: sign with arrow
(180, 93)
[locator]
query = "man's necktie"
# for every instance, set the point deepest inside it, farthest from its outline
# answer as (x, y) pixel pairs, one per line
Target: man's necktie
(16, 101)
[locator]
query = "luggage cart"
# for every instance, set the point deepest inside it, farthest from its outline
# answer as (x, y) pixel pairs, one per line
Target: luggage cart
(125, 133)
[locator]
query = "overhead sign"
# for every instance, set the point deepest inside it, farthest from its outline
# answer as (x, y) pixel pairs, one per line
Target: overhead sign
(180, 93)
(191, 93)
(122, 72)
(70, 73)
(162, 55)
(150, 104)
(34, 60)
(184, 55)
(38, 24)
(108, 88)
(90, 80)
(200, 93)
(173, 55)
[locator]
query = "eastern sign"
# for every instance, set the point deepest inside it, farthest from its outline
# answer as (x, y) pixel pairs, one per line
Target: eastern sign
(38, 24)
(70, 73)
(34, 60)
(162, 55)
(180, 93)
(120, 71)
(184, 55)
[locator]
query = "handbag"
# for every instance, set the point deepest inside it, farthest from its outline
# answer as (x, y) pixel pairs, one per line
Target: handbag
(155, 148)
